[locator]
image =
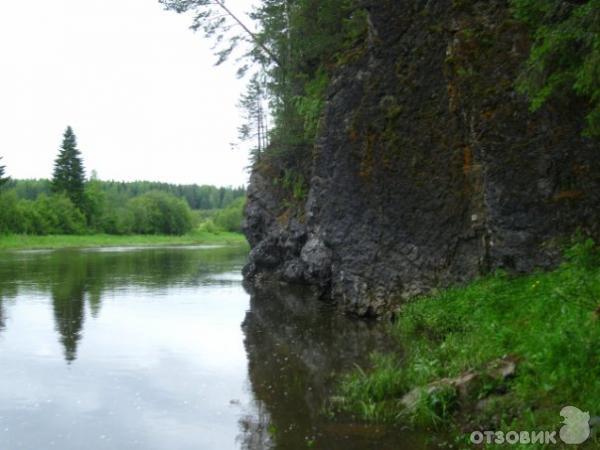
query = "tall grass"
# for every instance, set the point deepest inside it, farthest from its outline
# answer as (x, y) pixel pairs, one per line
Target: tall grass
(548, 322)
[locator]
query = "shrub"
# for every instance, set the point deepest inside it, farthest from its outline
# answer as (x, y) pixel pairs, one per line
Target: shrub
(230, 218)
(10, 214)
(56, 214)
(160, 213)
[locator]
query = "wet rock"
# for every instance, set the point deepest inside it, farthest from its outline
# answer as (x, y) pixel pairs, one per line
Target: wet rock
(466, 386)
(317, 259)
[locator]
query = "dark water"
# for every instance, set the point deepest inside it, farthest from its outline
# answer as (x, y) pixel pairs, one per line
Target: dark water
(165, 349)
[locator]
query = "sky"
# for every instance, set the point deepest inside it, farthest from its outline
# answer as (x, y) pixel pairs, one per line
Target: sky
(139, 88)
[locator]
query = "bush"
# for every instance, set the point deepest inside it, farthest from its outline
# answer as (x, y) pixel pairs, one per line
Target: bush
(55, 214)
(151, 213)
(160, 213)
(10, 214)
(117, 221)
(209, 226)
(230, 218)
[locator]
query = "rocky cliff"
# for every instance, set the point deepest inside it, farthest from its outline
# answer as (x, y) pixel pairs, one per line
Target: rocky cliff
(429, 168)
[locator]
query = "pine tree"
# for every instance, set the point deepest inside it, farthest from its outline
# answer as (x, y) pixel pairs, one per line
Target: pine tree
(3, 179)
(69, 175)
(254, 103)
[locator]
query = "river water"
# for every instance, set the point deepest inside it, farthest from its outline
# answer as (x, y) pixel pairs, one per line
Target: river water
(163, 348)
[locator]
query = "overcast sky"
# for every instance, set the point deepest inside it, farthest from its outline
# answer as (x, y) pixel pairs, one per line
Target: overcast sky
(138, 87)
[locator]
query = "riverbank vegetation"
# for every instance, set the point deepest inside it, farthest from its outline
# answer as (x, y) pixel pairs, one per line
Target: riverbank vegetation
(197, 237)
(68, 204)
(504, 353)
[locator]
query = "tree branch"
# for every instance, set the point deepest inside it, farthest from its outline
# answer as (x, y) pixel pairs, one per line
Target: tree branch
(249, 32)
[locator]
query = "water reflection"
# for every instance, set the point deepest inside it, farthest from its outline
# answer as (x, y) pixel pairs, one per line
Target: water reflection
(68, 304)
(297, 348)
(156, 358)
(74, 278)
(152, 342)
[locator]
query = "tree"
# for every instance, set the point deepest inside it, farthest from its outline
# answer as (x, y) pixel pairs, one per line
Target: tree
(212, 16)
(565, 56)
(295, 45)
(253, 103)
(160, 213)
(69, 177)
(95, 204)
(3, 179)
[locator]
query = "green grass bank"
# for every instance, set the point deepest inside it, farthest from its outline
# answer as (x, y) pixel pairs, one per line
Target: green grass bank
(545, 325)
(23, 242)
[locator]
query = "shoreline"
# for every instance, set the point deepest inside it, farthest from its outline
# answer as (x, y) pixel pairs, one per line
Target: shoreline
(505, 352)
(53, 242)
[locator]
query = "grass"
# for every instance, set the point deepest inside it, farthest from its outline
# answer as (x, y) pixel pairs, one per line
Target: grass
(548, 322)
(22, 242)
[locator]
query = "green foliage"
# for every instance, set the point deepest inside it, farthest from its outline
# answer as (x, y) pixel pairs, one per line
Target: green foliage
(374, 395)
(308, 36)
(565, 56)
(204, 197)
(159, 213)
(295, 184)
(69, 177)
(310, 105)
(230, 219)
(47, 215)
(118, 193)
(55, 215)
(106, 204)
(10, 213)
(95, 205)
(546, 321)
(30, 189)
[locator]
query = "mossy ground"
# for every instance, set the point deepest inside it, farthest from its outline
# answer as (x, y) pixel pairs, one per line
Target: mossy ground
(18, 242)
(548, 322)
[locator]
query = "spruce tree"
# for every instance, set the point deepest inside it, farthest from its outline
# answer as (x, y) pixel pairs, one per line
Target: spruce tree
(3, 179)
(69, 175)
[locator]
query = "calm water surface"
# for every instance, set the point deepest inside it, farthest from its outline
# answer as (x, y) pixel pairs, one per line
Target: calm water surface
(165, 349)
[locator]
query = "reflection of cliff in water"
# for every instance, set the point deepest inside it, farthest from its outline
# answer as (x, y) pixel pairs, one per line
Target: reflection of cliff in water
(73, 278)
(297, 348)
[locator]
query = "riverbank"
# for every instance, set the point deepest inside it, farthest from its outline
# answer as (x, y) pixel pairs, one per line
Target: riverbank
(504, 353)
(27, 242)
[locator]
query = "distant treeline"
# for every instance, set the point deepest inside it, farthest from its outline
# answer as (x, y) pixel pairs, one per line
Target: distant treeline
(120, 192)
(72, 204)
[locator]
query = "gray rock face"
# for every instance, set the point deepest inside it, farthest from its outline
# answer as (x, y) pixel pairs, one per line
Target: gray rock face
(429, 168)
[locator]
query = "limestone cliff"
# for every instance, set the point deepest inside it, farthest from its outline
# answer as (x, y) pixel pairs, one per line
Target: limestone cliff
(429, 168)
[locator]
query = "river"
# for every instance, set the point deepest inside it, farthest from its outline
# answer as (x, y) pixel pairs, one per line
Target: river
(164, 349)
